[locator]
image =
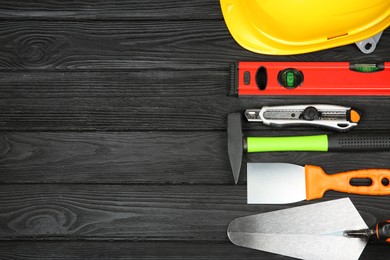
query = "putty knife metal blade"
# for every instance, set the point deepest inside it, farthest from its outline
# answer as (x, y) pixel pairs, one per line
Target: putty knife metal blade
(272, 183)
(306, 232)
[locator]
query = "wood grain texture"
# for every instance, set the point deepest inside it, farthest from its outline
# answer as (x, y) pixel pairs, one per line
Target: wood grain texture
(114, 84)
(102, 45)
(146, 250)
(127, 250)
(119, 212)
(111, 10)
(146, 158)
(135, 157)
(121, 100)
(144, 100)
(136, 212)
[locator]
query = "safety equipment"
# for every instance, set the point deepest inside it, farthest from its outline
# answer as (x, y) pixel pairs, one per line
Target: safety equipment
(283, 27)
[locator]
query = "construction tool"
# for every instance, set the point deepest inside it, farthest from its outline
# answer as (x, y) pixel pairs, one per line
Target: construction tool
(285, 27)
(237, 144)
(309, 78)
(319, 231)
(333, 117)
(279, 183)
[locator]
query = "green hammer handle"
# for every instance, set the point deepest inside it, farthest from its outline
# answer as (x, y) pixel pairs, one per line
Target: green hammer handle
(289, 143)
(319, 143)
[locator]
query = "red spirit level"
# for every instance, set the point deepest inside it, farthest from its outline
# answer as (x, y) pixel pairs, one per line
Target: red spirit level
(310, 78)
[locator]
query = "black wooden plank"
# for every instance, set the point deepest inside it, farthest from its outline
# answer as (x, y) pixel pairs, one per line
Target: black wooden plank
(114, 84)
(119, 212)
(143, 100)
(134, 213)
(127, 250)
(145, 158)
(147, 250)
(69, 45)
(118, 100)
(136, 157)
(111, 10)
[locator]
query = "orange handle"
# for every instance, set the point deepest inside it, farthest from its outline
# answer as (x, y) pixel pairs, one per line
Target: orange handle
(382, 230)
(318, 182)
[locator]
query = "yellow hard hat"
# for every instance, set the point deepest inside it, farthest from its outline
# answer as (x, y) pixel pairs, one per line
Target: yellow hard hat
(298, 26)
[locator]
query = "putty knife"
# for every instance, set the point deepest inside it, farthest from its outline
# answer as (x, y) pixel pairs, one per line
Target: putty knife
(319, 231)
(279, 183)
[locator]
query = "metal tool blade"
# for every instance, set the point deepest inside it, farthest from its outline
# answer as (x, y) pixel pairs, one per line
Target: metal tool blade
(234, 143)
(253, 115)
(275, 183)
(307, 232)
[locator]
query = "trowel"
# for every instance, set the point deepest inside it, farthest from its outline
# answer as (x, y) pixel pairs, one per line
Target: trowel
(322, 231)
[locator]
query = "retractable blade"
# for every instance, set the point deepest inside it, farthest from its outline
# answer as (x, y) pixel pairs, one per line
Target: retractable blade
(338, 118)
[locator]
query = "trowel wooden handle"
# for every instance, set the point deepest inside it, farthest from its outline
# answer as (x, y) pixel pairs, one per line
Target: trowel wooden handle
(318, 182)
(382, 231)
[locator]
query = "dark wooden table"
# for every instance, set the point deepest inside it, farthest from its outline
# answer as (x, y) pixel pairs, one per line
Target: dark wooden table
(113, 142)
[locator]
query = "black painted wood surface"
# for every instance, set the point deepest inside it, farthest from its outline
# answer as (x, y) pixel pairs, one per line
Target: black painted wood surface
(112, 131)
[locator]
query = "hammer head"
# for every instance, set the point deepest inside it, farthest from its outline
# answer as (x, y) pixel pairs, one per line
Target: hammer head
(235, 143)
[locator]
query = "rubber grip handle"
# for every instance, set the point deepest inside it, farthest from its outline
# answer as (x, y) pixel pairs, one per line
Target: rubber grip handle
(383, 231)
(353, 142)
(286, 143)
(318, 182)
